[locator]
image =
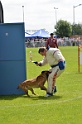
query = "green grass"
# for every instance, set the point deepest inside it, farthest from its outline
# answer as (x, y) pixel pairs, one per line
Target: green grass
(65, 107)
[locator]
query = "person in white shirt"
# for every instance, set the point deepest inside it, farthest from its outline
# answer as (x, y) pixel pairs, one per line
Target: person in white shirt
(56, 60)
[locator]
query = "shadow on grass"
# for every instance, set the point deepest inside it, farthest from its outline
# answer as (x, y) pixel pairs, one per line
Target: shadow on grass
(78, 73)
(9, 97)
(54, 97)
(33, 97)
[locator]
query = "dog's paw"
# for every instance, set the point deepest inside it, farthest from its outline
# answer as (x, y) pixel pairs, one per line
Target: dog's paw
(37, 95)
(28, 95)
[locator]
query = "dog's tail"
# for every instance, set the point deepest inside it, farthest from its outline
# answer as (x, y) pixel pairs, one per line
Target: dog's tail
(18, 87)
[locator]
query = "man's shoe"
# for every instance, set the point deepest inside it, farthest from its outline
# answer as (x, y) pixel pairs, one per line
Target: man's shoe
(54, 90)
(49, 94)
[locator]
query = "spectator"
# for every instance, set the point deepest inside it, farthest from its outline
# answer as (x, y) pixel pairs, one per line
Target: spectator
(51, 42)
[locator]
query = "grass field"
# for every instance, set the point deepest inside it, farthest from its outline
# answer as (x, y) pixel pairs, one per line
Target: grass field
(65, 107)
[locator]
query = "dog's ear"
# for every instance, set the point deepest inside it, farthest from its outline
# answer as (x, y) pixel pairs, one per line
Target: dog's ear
(42, 72)
(47, 74)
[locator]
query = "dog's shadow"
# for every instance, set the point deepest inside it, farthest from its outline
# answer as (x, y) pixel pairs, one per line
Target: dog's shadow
(54, 97)
(33, 97)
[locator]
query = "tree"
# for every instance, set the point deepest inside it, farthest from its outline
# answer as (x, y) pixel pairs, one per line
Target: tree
(77, 29)
(63, 29)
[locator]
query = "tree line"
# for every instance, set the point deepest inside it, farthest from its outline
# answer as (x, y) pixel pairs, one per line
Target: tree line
(65, 29)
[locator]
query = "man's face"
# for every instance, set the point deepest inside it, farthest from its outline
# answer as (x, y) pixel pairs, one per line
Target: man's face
(43, 53)
(51, 36)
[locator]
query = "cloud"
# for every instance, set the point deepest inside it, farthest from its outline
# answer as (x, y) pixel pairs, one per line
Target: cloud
(41, 13)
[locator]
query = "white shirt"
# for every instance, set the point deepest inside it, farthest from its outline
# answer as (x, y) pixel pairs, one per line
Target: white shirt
(53, 56)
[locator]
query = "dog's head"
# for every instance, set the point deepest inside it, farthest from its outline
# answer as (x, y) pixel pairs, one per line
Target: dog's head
(46, 73)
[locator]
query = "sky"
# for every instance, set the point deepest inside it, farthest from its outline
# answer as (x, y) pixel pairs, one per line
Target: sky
(40, 14)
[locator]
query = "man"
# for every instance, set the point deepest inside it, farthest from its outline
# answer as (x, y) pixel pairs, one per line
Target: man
(51, 42)
(56, 60)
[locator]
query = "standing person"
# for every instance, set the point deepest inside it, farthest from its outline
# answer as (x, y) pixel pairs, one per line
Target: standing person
(56, 60)
(51, 42)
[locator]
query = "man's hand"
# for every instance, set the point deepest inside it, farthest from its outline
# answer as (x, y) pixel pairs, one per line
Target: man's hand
(37, 63)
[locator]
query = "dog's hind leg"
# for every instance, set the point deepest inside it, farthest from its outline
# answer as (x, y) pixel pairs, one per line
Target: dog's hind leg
(25, 90)
(32, 90)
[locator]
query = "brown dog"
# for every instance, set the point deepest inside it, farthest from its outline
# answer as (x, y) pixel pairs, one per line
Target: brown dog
(37, 82)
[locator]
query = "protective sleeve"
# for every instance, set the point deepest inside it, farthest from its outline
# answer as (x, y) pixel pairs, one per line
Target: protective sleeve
(61, 65)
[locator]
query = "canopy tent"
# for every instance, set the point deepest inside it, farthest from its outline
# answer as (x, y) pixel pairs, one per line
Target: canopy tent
(27, 35)
(39, 34)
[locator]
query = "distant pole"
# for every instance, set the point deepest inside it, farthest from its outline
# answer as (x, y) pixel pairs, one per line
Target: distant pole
(79, 57)
(74, 13)
(74, 16)
(23, 12)
(55, 14)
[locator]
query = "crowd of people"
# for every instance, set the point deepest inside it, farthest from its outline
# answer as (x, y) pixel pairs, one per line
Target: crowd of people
(39, 42)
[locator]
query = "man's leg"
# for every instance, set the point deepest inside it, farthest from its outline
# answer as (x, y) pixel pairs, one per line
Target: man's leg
(50, 84)
(54, 89)
(52, 80)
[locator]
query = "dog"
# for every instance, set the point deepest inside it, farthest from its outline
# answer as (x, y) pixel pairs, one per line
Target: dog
(37, 82)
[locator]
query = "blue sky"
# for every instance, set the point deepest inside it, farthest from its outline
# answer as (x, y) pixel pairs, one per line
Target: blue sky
(39, 14)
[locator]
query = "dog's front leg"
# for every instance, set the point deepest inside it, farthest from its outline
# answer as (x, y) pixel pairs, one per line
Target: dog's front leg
(43, 87)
